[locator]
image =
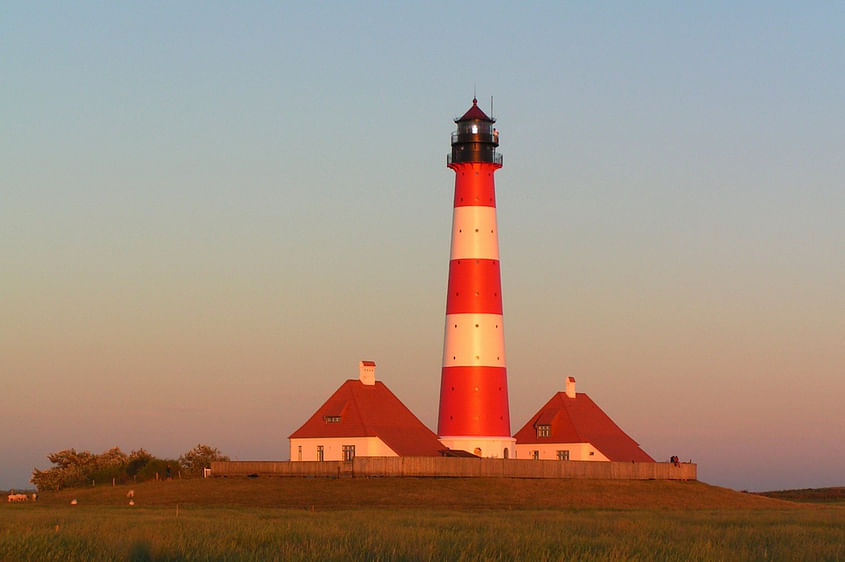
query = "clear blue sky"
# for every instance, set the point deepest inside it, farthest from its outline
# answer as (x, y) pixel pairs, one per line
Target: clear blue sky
(209, 213)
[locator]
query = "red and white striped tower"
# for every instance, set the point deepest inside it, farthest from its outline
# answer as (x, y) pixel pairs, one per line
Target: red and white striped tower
(474, 414)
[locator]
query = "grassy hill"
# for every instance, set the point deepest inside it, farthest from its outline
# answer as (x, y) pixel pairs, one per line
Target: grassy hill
(463, 494)
(418, 519)
(810, 495)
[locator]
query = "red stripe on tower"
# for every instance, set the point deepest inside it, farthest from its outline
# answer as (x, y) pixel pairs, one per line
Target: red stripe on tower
(474, 414)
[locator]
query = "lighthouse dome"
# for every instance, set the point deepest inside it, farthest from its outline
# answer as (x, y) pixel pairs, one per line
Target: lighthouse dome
(475, 113)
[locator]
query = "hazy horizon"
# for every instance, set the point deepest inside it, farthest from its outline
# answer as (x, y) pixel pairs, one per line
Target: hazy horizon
(210, 213)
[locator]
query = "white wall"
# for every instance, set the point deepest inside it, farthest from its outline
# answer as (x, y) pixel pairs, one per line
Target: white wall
(491, 447)
(333, 448)
(548, 451)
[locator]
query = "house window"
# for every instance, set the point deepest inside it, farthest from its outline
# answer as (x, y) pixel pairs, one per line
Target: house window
(535, 455)
(299, 453)
(544, 430)
(331, 419)
(348, 452)
(320, 453)
(563, 455)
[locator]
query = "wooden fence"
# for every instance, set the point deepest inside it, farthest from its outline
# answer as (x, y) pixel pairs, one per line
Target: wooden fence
(366, 467)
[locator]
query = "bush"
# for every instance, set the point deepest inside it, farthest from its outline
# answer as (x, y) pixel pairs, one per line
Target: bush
(107, 474)
(158, 466)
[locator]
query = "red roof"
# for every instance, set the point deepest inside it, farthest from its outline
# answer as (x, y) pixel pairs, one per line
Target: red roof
(580, 420)
(371, 411)
(474, 112)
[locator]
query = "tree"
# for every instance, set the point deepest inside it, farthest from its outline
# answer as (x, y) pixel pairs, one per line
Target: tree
(140, 454)
(138, 459)
(200, 457)
(68, 458)
(108, 466)
(112, 457)
(51, 479)
(72, 469)
(78, 468)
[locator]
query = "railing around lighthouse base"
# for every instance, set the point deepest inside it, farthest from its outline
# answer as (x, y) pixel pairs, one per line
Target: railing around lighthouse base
(495, 158)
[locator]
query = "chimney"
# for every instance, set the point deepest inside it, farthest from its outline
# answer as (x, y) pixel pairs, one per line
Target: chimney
(367, 372)
(570, 387)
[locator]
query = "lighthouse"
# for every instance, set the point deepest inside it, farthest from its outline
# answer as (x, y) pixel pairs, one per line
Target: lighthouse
(474, 415)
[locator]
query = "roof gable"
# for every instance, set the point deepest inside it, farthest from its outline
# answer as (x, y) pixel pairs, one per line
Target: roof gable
(580, 420)
(371, 411)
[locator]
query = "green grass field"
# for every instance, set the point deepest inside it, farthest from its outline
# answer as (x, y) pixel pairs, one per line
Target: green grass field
(419, 519)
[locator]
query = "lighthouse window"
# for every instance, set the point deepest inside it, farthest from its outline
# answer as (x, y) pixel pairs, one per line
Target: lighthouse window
(543, 430)
(475, 129)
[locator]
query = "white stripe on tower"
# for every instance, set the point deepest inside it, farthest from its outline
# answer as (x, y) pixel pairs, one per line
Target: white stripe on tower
(474, 233)
(474, 339)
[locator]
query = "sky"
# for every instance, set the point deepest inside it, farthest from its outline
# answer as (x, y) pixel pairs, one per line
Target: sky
(210, 212)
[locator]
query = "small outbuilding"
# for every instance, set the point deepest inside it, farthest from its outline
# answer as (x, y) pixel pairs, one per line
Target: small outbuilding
(362, 418)
(571, 426)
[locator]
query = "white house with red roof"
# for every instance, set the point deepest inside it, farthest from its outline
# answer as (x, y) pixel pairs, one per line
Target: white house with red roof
(362, 418)
(571, 426)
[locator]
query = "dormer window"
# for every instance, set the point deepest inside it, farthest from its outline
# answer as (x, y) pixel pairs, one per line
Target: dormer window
(544, 430)
(331, 419)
